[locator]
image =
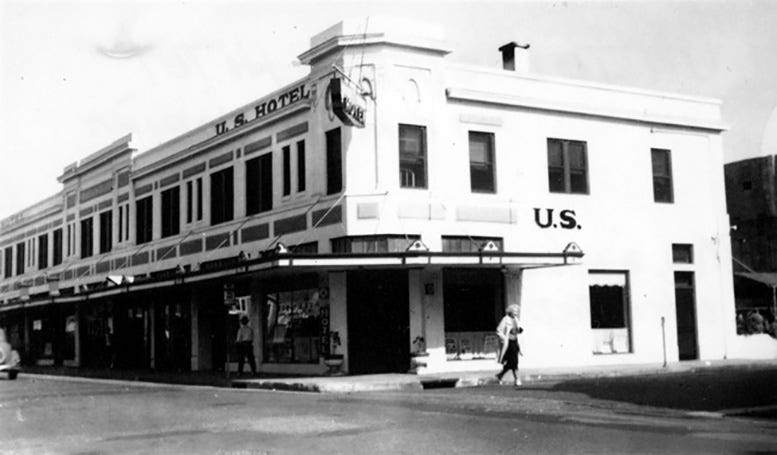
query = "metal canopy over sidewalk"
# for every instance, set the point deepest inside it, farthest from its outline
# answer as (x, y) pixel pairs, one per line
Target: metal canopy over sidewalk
(280, 259)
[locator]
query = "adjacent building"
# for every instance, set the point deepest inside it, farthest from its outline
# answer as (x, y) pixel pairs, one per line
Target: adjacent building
(400, 202)
(751, 194)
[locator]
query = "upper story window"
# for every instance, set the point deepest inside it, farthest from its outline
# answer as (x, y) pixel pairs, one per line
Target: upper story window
(194, 200)
(20, 258)
(56, 256)
(334, 162)
(301, 166)
(87, 237)
(468, 244)
(662, 175)
(8, 262)
(682, 253)
(171, 216)
(373, 243)
(123, 228)
(106, 231)
(43, 251)
(567, 166)
(221, 196)
(481, 162)
(144, 220)
(259, 184)
(412, 156)
(286, 170)
(71, 239)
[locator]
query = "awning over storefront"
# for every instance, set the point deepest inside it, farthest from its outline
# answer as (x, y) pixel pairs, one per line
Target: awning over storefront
(280, 259)
(769, 279)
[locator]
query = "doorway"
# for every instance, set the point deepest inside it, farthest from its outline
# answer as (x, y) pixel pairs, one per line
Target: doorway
(378, 322)
(685, 308)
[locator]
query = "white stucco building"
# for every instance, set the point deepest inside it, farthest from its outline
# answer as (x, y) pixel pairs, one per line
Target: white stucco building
(390, 197)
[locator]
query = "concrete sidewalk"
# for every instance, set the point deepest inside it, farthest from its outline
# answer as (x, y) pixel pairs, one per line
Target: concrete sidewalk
(382, 382)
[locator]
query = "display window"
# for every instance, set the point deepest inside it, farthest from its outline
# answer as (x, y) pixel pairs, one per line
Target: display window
(294, 326)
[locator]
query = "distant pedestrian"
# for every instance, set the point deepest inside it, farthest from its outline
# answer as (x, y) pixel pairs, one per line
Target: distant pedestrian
(755, 322)
(508, 330)
(245, 346)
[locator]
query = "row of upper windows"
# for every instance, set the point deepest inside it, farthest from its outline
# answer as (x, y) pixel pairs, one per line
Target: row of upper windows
(567, 164)
(567, 173)
(259, 198)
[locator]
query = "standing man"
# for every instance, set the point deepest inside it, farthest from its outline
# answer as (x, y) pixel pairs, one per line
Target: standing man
(245, 346)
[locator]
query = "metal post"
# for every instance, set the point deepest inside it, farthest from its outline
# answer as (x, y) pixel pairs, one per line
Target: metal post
(663, 338)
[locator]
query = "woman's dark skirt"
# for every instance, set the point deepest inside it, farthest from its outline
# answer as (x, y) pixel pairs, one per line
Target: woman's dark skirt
(510, 360)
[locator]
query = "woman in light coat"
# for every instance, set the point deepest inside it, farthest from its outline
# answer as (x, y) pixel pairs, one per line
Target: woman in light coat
(508, 330)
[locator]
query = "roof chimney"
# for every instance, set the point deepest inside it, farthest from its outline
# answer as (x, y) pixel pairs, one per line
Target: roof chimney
(509, 56)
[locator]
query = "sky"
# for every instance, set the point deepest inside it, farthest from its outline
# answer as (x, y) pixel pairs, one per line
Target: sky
(77, 75)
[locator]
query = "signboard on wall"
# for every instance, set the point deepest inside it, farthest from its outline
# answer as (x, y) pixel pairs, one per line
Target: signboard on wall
(346, 103)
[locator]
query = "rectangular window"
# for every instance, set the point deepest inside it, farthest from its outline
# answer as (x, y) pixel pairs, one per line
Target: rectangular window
(293, 333)
(69, 240)
(144, 219)
(20, 258)
(171, 216)
(199, 199)
(610, 313)
(412, 156)
(662, 175)
(106, 231)
(56, 257)
(373, 243)
(87, 237)
(43, 251)
(481, 162)
(259, 184)
(682, 253)
(189, 202)
(467, 244)
(473, 305)
(121, 223)
(221, 196)
(334, 162)
(8, 272)
(286, 170)
(301, 166)
(567, 166)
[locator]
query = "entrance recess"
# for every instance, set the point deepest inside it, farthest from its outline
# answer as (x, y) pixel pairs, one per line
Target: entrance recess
(685, 307)
(378, 322)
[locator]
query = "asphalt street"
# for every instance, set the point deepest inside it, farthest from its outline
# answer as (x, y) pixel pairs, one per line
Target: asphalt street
(43, 415)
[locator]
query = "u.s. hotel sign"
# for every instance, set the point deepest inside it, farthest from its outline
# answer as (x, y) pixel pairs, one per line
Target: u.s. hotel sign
(265, 107)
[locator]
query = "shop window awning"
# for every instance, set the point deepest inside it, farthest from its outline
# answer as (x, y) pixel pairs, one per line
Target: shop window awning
(281, 259)
(769, 279)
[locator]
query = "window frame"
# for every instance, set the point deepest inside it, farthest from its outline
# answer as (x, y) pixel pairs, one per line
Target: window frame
(106, 235)
(409, 179)
(222, 198)
(334, 161)
(566, 167)
(86, 226)
(144, 233)
(626, 308)
(170, 200)
(490, 164)
(669, 199)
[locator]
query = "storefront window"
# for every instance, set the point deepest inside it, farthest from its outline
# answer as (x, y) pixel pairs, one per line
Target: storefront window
(610, 322)
(473, 305)
(294, 326)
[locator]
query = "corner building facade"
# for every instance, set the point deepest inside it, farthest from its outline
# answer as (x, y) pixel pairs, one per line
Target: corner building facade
(399, 201)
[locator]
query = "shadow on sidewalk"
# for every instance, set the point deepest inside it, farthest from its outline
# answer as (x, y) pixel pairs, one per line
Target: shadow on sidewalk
(707, 390)
(204, 378)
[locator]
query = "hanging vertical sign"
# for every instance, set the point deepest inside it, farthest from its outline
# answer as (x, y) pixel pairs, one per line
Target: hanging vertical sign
(346, 103)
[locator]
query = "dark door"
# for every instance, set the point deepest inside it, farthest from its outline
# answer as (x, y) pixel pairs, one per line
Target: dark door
(378, 322)
(685, 307)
